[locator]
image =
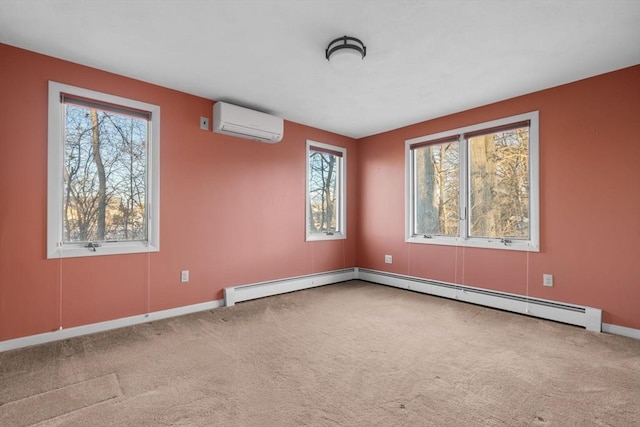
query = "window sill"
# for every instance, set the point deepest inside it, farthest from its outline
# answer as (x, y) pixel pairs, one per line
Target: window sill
(514, 245)
(119, 248)
(316, 237)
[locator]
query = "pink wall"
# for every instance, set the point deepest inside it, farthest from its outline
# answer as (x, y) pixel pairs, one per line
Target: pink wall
(214, 189)
(212, 186)
(589, 196)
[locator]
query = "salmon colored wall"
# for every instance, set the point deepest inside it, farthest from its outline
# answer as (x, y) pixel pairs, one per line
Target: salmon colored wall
(232, 210)
(589, 197)
(213, 188)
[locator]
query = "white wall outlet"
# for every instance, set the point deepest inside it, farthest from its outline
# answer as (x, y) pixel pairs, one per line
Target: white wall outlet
(184, 276)
(204, 123)
(388, 259)
(547, 280)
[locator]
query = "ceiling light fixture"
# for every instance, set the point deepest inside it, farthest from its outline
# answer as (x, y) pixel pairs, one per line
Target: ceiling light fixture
(345, 53)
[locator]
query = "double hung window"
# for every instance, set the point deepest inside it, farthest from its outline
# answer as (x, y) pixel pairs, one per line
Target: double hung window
(475, 186)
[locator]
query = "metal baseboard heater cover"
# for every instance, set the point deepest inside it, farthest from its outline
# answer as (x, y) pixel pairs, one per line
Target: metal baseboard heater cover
(587, 317)
(241, 293)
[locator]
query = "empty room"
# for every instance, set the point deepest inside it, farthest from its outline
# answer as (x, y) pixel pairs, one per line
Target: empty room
(322, 213)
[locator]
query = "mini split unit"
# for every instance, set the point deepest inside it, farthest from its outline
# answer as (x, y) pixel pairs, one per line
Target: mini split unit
(229, 119)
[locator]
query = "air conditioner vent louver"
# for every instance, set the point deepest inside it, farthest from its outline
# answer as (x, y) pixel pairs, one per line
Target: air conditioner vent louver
(229, 119)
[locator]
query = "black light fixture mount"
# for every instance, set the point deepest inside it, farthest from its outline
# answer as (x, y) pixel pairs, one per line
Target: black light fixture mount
(346, 52)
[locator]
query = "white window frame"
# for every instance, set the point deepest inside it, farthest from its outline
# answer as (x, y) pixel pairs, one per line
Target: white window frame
(55, 180)
(463, 239)
(341, 223)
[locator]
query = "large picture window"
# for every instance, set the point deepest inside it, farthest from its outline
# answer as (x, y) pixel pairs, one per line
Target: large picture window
(326, 186)
(103, 173)
(475, 186)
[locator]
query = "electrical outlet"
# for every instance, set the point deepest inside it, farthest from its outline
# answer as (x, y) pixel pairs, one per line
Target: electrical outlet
(184, 276)
(547, 280)
(204, 123)
(388, 259)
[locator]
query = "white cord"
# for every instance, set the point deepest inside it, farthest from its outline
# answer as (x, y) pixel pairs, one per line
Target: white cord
(60, 295)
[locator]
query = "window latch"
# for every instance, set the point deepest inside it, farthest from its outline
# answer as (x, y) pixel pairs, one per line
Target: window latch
(427, 236)
(329, 233)
(505, 241)
(92, 246)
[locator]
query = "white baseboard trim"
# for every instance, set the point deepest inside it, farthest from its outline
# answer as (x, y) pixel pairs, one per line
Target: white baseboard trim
(621, 330)
(234, 294)
(63, 334)
(587, 317)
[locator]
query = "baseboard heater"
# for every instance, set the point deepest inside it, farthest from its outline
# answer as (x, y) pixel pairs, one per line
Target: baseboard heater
(234, 294)
(587, 317)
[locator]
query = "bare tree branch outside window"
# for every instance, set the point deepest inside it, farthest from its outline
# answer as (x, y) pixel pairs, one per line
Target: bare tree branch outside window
(323, 191)
(437, 189)
(499, 184)
(105, 175)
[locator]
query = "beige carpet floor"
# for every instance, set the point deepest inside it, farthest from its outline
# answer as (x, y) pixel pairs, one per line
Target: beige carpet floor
(351, 354)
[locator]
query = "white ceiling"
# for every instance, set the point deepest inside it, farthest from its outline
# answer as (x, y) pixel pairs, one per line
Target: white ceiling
(425, 59)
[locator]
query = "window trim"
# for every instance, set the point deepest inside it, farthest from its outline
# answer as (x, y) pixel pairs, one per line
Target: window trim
(55, 170)
(341, 233)
(463, 238)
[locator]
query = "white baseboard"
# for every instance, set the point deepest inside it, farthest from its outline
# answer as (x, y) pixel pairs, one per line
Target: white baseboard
(234, 294)
(587, 317)
(621, 330)
(63, 334)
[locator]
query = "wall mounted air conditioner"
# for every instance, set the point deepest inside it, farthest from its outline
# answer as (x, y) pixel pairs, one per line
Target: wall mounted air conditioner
(242, 122)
